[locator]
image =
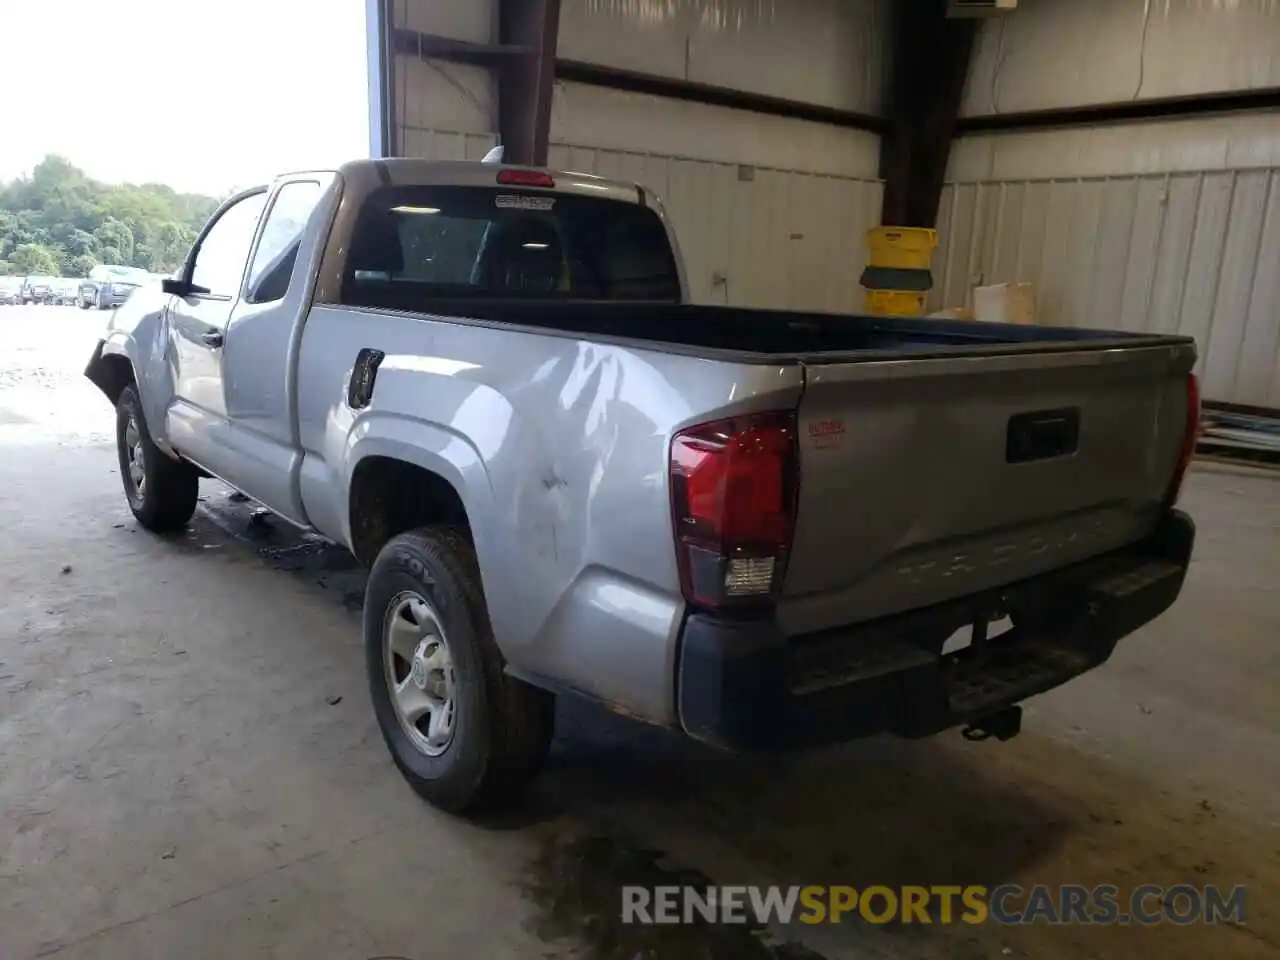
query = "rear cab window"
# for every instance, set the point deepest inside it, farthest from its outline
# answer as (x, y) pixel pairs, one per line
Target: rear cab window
(280, 240)
(414, 245)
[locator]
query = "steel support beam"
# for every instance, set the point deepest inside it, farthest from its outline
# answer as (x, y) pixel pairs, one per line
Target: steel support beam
(526, 82)
(428, 46)
(381, 71)
(673, 88)
(1128, 111)
(931, 56)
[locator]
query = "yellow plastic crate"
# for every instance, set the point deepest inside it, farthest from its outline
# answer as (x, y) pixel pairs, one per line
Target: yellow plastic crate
(895, 303)
(909, 248)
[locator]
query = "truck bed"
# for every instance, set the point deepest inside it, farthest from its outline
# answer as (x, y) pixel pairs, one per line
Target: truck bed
(938, 458)
(768, 335)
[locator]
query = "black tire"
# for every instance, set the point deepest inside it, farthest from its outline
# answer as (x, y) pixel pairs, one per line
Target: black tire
(170, 487)
(83, 304)
(502, 726)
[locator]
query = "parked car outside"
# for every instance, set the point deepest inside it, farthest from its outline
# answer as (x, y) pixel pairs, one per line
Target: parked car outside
(109, 285)
(65, 291)
(37, 289)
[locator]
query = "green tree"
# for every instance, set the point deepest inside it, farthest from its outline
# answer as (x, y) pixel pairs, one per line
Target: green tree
(115, 235)
(80, 265)
(77, 218)
(34, 260)
(172, 241)
(79, 243)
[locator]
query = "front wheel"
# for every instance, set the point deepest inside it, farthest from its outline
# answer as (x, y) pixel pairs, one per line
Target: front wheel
(463, 733)
(161, 491)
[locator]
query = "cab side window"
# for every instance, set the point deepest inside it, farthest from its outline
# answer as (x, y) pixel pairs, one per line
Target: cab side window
(280, 241)
(220, 261)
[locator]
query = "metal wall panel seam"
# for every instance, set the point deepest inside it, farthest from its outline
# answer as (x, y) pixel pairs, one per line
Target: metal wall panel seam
(1095, 262)
(1044, 247)
(1155, 255)
(1271, 395)
(1001, 198)
(1022, 230)
(1090, 312)
(1090, 248)
(1191, 246)
(1253, 288)
(943, 294)
(973, 239)
(1275, 363)
(1128, 244)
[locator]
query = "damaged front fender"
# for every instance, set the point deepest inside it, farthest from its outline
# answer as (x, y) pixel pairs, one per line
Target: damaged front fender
(132, 350)
(110, 372)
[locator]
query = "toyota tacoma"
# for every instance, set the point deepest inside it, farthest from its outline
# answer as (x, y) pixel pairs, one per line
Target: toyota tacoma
(760, 528)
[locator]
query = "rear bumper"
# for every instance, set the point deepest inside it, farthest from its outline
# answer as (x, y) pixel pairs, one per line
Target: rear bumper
(743, 686)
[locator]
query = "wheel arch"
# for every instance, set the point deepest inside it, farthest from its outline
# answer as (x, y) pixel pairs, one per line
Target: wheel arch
(111, 371)
(405, 474)
(136, 357)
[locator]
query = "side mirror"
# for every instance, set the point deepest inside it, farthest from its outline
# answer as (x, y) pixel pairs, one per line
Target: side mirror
(179, 287)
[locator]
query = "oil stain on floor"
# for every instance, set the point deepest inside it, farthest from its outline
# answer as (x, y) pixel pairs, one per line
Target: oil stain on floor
(576, 887)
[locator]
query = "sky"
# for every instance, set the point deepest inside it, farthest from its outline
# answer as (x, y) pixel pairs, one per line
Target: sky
(204, 95)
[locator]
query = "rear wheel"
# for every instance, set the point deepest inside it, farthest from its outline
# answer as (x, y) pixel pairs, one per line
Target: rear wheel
(161, 491)
(463, 733)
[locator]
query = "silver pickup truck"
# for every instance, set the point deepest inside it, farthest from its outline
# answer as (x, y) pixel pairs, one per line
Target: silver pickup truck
(765, 529)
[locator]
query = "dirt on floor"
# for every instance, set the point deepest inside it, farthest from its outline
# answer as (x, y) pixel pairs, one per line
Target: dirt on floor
(189, 766)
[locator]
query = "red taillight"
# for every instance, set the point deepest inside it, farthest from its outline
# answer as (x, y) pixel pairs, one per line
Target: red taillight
(733, 499)
(1190, 435)
(525, 178)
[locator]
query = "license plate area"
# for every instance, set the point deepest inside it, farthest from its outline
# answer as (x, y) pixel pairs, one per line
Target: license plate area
(1042, 435)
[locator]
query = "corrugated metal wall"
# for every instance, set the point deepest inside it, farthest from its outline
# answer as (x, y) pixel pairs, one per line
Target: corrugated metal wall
(445, 111)
(1160, 245)
(769, 211)
(828, 52)
(1165, 226)
(783, 238)
(1065, 53)
(1190, 253)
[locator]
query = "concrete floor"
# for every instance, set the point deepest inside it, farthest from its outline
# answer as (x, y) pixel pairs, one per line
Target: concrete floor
(189, 767)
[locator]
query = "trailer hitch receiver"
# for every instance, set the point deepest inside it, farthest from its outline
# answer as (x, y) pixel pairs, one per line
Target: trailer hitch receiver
(1003, 725)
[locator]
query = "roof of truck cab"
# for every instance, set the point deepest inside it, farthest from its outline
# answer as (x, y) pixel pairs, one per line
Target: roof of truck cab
(408, 172)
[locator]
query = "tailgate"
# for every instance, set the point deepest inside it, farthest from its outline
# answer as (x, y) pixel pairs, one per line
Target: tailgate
(923, 480)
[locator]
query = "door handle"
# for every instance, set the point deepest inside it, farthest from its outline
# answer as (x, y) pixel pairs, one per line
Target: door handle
(211, 338)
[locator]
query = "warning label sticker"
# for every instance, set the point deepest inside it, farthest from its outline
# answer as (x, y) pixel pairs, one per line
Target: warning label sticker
(514, 201)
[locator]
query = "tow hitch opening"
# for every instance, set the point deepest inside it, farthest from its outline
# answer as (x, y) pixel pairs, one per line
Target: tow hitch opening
(1003, 725)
